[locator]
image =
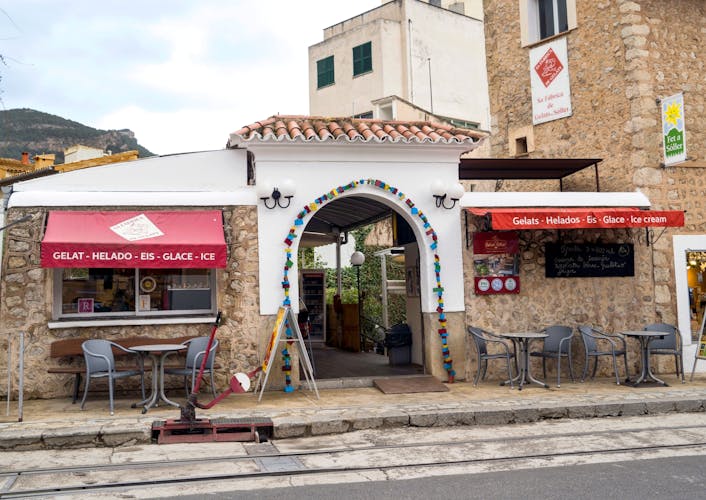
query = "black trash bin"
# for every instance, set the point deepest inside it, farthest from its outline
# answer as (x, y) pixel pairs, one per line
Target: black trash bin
(398, 342)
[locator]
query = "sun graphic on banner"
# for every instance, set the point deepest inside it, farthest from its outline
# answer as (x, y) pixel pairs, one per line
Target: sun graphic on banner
(672, 113)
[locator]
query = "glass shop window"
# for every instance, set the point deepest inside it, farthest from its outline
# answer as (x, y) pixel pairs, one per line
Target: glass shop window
(92, 292)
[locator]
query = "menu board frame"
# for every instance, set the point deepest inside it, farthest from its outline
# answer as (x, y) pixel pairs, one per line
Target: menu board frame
(589, 260)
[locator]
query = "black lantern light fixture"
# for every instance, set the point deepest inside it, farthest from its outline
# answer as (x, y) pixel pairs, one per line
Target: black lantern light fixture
(442, 191)
(276, 196)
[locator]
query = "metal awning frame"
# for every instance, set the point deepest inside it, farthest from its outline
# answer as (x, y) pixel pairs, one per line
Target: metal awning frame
(525, 168)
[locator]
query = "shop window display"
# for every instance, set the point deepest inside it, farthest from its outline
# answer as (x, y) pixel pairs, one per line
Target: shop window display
(97, 292)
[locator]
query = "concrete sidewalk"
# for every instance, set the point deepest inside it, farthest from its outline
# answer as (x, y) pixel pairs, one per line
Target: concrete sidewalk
(59, 424)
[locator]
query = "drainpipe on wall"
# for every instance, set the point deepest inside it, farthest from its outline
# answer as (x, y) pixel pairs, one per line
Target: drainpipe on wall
(6, 192)
(411, 79)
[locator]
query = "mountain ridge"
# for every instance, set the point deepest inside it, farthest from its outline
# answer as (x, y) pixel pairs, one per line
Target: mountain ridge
(37, 132)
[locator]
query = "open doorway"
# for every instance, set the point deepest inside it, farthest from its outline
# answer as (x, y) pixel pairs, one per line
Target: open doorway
(358, 311)
(690, 278)
(696, 284)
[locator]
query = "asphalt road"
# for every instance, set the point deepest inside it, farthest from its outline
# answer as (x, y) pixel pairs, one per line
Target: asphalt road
(680, 477)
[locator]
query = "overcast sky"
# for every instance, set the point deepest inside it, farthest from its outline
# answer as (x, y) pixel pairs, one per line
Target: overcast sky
(181, 74)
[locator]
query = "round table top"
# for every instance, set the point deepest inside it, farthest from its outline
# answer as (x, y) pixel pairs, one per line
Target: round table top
(644, 333)
(158, 347)
(524, 335)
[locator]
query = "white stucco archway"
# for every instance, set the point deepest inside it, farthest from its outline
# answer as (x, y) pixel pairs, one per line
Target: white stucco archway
(410, 170)
(431, 285)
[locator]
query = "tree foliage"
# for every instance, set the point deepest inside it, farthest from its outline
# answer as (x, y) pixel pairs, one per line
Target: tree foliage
(370, 285)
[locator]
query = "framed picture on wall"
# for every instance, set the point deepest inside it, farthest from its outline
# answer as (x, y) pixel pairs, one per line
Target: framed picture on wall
(412, 281)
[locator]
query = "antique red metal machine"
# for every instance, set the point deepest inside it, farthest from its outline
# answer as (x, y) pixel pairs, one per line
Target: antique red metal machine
(189, 429)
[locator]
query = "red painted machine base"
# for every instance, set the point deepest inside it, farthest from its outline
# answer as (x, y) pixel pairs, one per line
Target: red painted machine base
(204, 430)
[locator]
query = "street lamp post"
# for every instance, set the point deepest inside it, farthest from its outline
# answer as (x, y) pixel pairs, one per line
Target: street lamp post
(357, 260)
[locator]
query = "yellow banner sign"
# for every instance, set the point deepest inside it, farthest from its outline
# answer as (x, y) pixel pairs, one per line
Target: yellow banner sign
(273, 338)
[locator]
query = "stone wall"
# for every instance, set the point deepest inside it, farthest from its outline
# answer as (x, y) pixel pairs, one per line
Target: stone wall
(623, 56)
(27, 294)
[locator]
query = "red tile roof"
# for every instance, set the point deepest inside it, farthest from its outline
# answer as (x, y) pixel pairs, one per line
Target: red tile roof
(281, 128)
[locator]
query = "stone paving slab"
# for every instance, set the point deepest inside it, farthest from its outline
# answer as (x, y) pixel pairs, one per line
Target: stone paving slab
(356, 409)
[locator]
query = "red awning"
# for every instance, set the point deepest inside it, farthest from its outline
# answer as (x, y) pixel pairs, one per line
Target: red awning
(579, 218)
(149, 239)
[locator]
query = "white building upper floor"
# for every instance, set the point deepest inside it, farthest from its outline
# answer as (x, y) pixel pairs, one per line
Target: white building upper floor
(427, 53)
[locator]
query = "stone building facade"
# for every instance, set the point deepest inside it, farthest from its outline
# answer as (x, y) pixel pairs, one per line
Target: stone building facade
(623, 57)
(256, 272)
(25, 307)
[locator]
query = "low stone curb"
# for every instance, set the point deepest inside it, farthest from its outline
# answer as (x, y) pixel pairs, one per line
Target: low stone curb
(302, 423)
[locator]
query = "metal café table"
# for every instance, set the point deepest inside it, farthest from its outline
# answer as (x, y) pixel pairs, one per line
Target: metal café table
(645, 337)
(522, 340)
(158, 353)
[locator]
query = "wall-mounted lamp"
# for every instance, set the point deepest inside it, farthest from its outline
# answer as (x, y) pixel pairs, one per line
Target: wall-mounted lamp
(442, 191)
(274, 196)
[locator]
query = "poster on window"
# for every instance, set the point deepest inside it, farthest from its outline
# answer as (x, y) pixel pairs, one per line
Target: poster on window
(549, 80)
(144, 303)
(496, 262)
(673, 129)
(85, 305)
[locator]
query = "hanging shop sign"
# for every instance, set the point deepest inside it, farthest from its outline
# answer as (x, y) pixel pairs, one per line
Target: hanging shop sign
(673, 129)
(583, 260)
(579, 218)
(549, 80)
(149, 239)
(496, 262)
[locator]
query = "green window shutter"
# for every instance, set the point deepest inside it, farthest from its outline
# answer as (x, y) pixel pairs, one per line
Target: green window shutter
(324, 72)
(362, 59)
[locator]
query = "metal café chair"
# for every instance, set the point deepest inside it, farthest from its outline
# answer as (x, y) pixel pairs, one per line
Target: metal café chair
(194, 356)
(557, 345)
(593, 341)
(100, 363)
(669, 345)
(482, 338)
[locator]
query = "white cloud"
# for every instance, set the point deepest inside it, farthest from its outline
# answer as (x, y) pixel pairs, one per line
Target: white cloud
(177, 131)
(182, 78)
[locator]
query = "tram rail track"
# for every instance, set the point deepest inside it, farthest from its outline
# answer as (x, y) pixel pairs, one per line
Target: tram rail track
(9, 480)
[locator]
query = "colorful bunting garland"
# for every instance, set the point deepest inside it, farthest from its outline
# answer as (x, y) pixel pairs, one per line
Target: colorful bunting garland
(429, 231)
(287, 358)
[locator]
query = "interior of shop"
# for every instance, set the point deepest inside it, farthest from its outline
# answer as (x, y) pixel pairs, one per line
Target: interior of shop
(696, 279)
(347, 341)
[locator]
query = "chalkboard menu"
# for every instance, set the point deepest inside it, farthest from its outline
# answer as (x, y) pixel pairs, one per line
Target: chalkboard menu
(582, 260)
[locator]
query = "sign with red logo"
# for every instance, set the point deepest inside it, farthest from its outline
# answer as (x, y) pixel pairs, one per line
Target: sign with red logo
(494, 242)
(85, 305)
(496, 259)
(549, 78)
(548, 67)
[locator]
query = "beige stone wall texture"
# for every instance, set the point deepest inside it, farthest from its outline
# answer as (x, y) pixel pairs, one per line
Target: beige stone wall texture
(623, 56)
(26, 291)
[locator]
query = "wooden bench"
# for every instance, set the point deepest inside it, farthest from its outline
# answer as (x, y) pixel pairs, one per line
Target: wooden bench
(71, 348)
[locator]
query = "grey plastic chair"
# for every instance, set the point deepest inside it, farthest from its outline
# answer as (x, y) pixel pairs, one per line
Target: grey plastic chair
(591, 337)
(670, 344)
(100, 363)
(194, 357)
(482, 338)
(556, 346)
